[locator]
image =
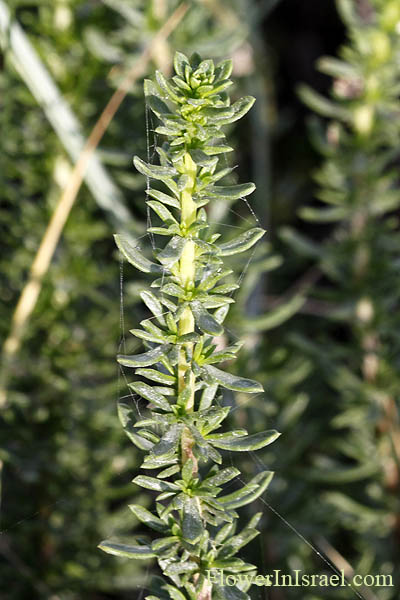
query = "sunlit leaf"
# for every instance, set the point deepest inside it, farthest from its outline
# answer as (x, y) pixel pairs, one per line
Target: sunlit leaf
(134, 256)
(232, 382)
(127, 551)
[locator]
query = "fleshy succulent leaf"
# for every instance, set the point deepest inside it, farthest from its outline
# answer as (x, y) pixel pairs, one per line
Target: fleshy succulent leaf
(127, 550)
(143, 360)
(232, 382)
(242, 242)
(134, 256)
(249, 442)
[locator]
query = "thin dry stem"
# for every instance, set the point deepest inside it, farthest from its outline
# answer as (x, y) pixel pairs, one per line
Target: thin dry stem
(342, 565)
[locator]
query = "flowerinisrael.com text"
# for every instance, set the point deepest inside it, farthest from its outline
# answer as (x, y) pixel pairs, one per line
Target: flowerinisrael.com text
(298, 578)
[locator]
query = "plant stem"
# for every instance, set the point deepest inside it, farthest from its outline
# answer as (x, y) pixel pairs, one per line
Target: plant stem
(187, 267)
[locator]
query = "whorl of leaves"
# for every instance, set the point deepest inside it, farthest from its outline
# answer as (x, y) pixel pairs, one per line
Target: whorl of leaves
(194, 518)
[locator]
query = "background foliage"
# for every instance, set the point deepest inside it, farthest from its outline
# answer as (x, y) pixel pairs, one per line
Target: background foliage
(316, 308)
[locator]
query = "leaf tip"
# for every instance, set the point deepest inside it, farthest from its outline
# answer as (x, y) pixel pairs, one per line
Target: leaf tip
(137, 162)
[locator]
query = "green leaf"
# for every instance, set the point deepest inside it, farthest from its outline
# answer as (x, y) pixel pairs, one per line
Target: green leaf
(225, 288)
(324, 215)
(151, 327)
(158, 107)
(217, 114)
(240, 108)
(164, 198)
(173, 290)
(227, 435)
(149, 435)
(159, 462)
(169, 304)
(223, 476)
(256, 486)
(162, 545)
(254, 521)
(321, 105)
(249, 442)
(242, 243)
(276, 316)
(222, 85)
(225, 532)
(125, 416)
(202, 159)
(169, 441)
(127, 551)
(204, 321)
(223, 70)
(231, 192)
(145, 516)
(174, 593)
(188, 338)
(151, 483)
(208, 396)
(149, 337)
(154, 100)
(235, 543)
(187, 470)
(216, 301)
(157, 376)
(150, 394)
(203, 246)
(171, 323)
(206, 67)
(192, 526)
(179, 82)
(163, 212)
(143, 360)
(171, 129)
(221, 314)
(154, 305)
(213, 418)
(180, 63)
(172, 229)
(337, 68)
(177, 568)
(169, 471)
(337, 475)
(228, 353)
(172, 251)
(134, 257)
(219, 174)
(154, 171)
(232, 382)
(209, 282)
(236, 565)
(217, 149)
(167, 88)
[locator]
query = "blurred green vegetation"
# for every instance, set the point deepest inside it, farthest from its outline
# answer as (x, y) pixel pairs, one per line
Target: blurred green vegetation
(317, 306)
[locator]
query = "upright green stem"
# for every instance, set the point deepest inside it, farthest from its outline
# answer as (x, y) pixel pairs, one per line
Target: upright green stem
(187, 274)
